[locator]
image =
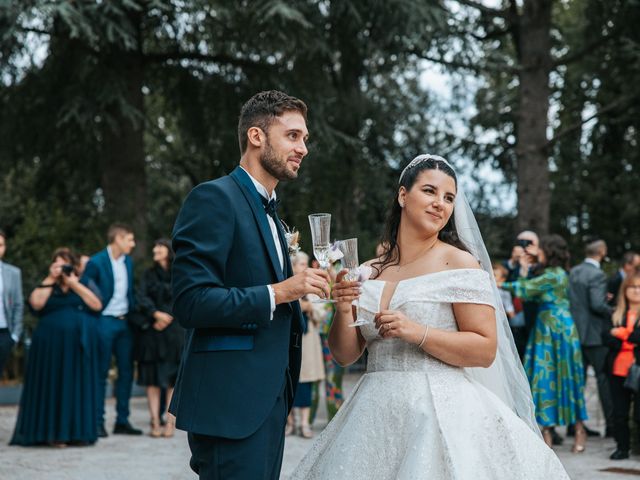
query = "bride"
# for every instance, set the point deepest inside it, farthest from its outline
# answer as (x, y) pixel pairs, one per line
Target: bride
(445, 395)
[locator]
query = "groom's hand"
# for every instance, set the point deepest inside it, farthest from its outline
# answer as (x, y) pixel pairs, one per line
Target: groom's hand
(312, 280)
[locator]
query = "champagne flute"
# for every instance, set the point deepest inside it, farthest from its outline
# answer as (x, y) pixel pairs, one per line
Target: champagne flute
(349, 249)
(320, 224)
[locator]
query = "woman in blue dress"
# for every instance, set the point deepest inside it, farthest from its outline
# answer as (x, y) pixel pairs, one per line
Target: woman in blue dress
(59, 398)
(553, 358)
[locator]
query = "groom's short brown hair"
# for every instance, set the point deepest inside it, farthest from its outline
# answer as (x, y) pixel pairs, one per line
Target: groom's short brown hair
(261, 109)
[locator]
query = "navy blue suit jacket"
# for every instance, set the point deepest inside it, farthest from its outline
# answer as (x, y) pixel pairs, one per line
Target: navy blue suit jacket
(236, 360)
(100, 272)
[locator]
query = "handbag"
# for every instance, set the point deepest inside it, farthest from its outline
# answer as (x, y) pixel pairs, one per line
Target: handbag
(632, 382)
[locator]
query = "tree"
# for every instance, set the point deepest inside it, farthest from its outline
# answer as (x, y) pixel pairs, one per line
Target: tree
(522, 50)
(133, 102)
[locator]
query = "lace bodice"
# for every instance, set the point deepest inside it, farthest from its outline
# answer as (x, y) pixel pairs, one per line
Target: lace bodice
(426, 299)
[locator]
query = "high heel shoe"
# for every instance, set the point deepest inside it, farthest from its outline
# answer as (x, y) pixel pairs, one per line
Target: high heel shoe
(156, 429)
(170, 427)
(581, 439)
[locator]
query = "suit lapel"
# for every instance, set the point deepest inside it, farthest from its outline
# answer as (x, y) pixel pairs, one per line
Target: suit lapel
(253, 199)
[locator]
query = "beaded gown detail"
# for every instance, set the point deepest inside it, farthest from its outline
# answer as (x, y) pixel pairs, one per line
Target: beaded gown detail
(412, 416)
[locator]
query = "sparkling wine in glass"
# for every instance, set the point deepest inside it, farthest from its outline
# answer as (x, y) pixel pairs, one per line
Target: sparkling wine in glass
(349, 249)
(320, 224)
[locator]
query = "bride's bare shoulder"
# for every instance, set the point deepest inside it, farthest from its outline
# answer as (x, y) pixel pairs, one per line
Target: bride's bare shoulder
(455, 258)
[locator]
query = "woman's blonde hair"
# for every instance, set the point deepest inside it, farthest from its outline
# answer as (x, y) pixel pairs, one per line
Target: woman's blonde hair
(621, 305)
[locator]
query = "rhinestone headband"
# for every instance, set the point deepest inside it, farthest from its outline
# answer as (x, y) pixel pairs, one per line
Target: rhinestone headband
(423, 158)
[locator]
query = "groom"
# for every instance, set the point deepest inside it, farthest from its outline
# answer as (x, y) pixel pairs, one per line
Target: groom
(234, 292)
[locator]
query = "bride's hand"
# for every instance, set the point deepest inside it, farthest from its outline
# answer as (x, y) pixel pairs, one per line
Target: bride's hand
(394, 324)
(344, 292)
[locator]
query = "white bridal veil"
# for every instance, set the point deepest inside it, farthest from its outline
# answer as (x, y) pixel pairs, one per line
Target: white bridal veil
(505, 377)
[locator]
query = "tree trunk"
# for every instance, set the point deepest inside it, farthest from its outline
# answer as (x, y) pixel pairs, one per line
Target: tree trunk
(534, 193)
(123, 169)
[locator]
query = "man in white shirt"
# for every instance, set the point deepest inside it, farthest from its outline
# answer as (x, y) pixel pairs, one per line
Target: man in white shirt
(111, 271)
(235, 292)
(11, 304)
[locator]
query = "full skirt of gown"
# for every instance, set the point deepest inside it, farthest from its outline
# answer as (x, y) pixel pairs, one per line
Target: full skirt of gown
(414, 417)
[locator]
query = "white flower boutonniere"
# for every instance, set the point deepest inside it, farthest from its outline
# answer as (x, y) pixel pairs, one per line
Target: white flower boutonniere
(291, 236)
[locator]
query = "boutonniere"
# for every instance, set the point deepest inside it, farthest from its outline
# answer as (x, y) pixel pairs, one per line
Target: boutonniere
(291, 236)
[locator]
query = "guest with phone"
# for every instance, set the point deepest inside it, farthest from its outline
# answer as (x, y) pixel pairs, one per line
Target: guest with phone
(59, 399)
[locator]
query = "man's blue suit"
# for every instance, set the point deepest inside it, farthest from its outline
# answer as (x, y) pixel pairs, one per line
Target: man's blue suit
(115, 336)
(240, 368)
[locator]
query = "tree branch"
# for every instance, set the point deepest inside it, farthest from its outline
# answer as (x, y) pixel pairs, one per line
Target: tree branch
(489, 11)
(33, 30)
(621, 101)
(572, 57)
(479, 69)
(161, 57)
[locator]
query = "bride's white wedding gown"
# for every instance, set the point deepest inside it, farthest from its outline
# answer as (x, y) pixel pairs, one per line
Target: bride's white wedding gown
(414, 417)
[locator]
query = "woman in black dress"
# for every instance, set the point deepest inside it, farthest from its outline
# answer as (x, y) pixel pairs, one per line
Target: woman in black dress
(59, 399)
(160, 338)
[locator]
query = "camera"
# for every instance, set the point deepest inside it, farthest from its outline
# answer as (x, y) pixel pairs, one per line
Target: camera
(524, 243)
(67, 269)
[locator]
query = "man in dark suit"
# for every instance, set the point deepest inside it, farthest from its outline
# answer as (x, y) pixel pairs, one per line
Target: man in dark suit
(630, 261)
(11, 304)
(234, 292)
(592, 316)
(111, 271)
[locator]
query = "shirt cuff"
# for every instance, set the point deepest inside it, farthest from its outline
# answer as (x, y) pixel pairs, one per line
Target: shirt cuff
(272, 299)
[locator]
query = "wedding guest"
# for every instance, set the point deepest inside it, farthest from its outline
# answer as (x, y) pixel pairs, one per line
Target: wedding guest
(525, 247)
(630, 261)
(160, 339)
(334, 372)
(592, 316)
(553, 359)
(500, 274)
(60, 398)
(312, 368)
(111, 270)
(11, 304)
(623, 339)
(82, 263)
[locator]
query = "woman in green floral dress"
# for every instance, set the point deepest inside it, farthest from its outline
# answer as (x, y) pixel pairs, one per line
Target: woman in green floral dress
(553, 359)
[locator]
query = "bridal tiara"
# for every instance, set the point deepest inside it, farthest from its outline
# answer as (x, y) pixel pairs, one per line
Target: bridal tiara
(423, 158)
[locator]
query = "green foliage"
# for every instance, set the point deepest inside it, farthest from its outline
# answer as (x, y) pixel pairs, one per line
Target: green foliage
(353, 63)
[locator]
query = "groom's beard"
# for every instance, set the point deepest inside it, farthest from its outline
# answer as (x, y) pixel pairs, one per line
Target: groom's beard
(275, 167)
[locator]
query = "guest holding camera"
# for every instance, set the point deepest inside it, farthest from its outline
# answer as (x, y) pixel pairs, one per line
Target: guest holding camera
(553, 359)
(524, 251)
(159, 340)
(623, 353)
(59, 399)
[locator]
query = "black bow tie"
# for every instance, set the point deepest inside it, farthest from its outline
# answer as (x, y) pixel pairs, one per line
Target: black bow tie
(270, 206)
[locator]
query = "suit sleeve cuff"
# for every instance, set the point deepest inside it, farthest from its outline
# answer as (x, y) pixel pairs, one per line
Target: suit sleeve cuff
(272, 299)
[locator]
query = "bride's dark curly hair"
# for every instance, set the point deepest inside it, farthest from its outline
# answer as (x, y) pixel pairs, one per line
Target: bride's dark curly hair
(389, 239)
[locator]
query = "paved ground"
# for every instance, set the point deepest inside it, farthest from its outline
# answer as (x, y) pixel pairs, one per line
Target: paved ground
(139, 458)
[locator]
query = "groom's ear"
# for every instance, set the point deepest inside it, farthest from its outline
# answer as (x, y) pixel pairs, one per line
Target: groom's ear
(256, 137)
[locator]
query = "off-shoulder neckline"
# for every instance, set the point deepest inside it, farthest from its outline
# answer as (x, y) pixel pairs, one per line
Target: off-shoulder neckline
(451, 270)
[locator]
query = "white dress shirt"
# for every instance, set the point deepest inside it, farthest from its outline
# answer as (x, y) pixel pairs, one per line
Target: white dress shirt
(274, 233)
(3, 318)
(593, 262)
(119, 303)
